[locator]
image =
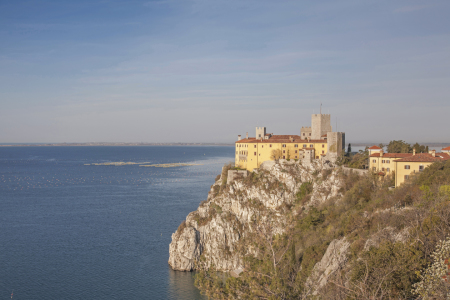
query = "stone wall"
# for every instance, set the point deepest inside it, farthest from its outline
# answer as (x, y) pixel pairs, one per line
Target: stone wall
(335, 144)
(234, 174)
(320, 124)
(358, 171)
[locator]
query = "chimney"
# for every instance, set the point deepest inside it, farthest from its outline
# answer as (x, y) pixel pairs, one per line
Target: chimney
(291, 139)
(246, 135)
(433, 153)
(414, 151)
(239, 137)
(381, 153)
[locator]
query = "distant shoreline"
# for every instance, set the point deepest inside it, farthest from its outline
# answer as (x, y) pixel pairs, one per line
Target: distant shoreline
(172, 144)
(111, 144)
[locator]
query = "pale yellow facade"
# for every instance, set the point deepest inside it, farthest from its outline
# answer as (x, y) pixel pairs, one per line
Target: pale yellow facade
(250, 155)
(407, 169)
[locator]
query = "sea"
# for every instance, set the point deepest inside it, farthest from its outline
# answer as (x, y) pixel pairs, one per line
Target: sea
(70, 229)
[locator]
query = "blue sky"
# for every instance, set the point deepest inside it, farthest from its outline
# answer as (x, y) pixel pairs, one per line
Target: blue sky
(206, 71)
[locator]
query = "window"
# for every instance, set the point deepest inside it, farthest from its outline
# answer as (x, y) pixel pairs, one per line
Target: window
(255, 153)
(383, 161)
(421, 168)
(382, 169)
(296, 156)
(374, 169)
(310, 134)
(323, 152)
(254, 146)
(388, 169)
(259, 135)
(311, 146)
(374, 161)
(270, 146)
(304, 145)
(406, 177)
(262, 146)
(388, 161)
(284, 151)
(295, 151)
(284, 157)
(284, 146)
(317, 157)
(407, 167)
(296, 146)
(323, 146)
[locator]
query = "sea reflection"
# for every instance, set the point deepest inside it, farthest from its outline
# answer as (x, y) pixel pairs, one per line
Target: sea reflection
(181, 286)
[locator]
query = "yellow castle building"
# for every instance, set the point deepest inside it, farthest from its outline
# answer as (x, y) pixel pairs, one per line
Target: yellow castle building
(315, 142)
(403, 165)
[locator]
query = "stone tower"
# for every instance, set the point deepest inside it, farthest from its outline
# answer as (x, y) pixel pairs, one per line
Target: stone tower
(260, 132)
(320, 125)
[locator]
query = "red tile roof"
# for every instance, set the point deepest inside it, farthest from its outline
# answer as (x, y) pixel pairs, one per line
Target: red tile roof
(446, 148)
(281, 139)
(425, 157)
(392, 155)
(374, 147)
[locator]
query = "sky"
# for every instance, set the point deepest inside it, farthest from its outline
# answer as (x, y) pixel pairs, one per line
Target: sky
(206, 71)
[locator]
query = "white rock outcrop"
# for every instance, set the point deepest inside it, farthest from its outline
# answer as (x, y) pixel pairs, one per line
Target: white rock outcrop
(216, 231)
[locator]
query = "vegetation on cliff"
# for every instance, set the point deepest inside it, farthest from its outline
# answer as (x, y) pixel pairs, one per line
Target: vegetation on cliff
(395, 240)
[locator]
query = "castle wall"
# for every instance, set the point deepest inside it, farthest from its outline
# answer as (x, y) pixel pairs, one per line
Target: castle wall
(336, 145)
(305, 132)
(260, 132)
(320, 125)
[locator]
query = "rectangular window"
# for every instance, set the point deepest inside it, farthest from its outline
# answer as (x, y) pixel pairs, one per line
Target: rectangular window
(270, 146)
(296, 146)
(407, 167)
(284, 157)
(284, 151)
(323, 152)
(255, 153)
(388, 161)
(421, 168)
(323, 146)
(284, 146)
(311, 146)
(388, 169)
(309, 134)
(254, 146)
(383, 161)
(295, 151)
(406, 177)
(303, 134)
(374, 161)
(304, 145)
(296, 156)
(382, 169)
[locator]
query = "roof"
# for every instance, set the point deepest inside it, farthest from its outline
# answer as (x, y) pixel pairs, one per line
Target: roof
(446, 148)
(425, 157)
(281, 139)
(374, 148)
(392, 155)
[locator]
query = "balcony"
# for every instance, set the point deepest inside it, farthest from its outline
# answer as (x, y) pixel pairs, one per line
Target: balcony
(242, 157)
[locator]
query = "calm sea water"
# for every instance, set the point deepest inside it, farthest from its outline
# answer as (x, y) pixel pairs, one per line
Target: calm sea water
(72, 231)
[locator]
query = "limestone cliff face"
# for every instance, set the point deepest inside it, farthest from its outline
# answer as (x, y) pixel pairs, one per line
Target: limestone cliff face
(215, 233)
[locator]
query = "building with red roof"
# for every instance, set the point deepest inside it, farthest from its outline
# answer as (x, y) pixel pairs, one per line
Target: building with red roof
(315, 142)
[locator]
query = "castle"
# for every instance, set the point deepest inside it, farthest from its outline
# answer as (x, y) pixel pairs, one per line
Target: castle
(315, 142)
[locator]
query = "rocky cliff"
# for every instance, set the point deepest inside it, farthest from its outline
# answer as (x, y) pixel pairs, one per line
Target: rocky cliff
(215, 233)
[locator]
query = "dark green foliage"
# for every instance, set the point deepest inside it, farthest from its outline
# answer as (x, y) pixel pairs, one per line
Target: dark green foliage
(349, 149)
(399, 147)
(304, 190)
